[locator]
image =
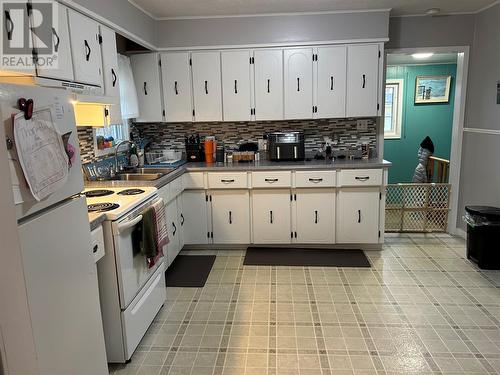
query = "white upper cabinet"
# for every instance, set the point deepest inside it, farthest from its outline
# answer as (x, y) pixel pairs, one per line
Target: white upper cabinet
(362, 80)
(85, 49)
(109, 62)
(176, 77)
(268, 65)
(298, 83)
(330, 82)
(207, 92)
(61, 48)
(236, 88)
(146, 69)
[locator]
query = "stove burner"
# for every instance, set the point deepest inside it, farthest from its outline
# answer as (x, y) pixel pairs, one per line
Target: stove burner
(98, 193)
(131, 192)
(102, 207)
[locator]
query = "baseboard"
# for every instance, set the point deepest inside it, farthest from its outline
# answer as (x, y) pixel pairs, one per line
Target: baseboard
(367, 247)
(461, 233)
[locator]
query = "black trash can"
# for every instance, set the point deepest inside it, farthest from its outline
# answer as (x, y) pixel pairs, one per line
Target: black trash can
(483, 236)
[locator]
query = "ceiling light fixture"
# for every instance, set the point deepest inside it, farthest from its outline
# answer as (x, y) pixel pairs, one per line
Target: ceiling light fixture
(422, 56)
(433, 11)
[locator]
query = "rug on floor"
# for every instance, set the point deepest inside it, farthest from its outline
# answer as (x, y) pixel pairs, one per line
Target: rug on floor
(265, 256)
(190, 271)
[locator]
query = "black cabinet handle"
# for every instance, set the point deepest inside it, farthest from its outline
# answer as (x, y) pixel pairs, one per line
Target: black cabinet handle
(268, 85)
(175, 88)
(94, 250)
(145, 88)
(227, 181)
(298, 84)
(315, 180)
(182, 220)
(9, 25)
(359, 216)
(271, 217)
(271, 180)
(230, 217)
(113, 74)
(87, 50)
(365, 178)
(315, 217)
(175, 229)
(235, 86)
(331, 83)
(56, 43)
(206, 87)
(364, 80)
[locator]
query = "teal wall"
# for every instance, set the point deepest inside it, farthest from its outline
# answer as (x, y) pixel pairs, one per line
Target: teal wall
(419, 120)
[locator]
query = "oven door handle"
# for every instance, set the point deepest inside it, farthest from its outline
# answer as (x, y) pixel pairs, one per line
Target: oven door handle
(128, 224)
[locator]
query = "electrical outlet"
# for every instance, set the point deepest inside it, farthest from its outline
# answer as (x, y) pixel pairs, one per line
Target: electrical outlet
(362, 125)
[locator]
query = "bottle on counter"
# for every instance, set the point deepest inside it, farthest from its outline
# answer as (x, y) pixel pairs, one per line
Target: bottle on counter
(209, 149)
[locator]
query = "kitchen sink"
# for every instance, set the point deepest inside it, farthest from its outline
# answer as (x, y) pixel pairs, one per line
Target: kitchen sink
(138, 176)
(151, 170)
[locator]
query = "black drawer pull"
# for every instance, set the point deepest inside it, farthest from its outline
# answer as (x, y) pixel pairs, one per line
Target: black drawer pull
(315, 217)
(182, 220)
(298, 84)
(87, 50)
(175, 229)
(230, 217)
(175, 88)
(271, 180)
(316, 180)
(359, 216)
(365, 178)
(145, 87)
(364, 80)
(206, 87)
(113, 74)
(9, 25)
(57, 41)
(331, 83)
(227, 181)
(94, 250)
(271, 217)
(235, 86)
(268, 88)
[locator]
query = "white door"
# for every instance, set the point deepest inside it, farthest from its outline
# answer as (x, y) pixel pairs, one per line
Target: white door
(181, 221)
(268, 65)
(62, 291)
(173, 246)
(362, 80)
(271, 216)
(195, 216)
(207, 91)
(85, 49)
(109, 62)
(331, 82)
(145, 67)
(298, 83)
(358, 215)
(60, 47)
(315, 215)
(230, 216)
(176, 76)
(236, 90)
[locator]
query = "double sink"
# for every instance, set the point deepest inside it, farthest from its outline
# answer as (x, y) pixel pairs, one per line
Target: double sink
(143, 174)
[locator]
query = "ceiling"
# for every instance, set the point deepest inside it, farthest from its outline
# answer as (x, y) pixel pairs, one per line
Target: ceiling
(407, 59)
(205, 8)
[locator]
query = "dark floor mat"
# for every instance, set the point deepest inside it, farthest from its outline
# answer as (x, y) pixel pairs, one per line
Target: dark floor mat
(260, 256)
(190, 271)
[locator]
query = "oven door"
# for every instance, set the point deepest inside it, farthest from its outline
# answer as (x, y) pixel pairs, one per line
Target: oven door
(131, 266)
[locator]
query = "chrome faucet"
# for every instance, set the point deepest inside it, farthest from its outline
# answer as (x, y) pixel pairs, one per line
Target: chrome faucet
(116, 152)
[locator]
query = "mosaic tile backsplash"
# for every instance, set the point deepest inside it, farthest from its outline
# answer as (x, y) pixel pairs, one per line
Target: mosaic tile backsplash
(171, 135)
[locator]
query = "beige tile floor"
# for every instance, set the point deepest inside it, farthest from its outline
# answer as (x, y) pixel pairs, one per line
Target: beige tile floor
(421, 309)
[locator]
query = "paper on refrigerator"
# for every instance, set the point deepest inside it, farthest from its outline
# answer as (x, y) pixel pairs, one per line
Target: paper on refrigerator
(41, 152)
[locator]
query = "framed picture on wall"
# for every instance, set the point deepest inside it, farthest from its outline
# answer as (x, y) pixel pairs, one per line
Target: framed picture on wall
(432, 89)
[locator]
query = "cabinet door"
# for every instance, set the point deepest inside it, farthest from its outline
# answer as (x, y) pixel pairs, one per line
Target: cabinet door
(236, 88)
(207, 92)
(358, 215)
(268, 65)
(85, 49)
(195, 217)
(362, 80)
(173, 246)
(109, 62)
(315, 215)
(146, 71)
(61, 48)
(331, 82)
(298, 83)
(271, 216)
(176, 78)
(231, 216)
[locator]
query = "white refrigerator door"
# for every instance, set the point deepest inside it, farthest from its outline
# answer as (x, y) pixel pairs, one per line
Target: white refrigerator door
(65, 122)
(63, 296)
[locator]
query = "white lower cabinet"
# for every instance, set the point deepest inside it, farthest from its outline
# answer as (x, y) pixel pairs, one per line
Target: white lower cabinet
(195, 217)
(230, 216)
(315, 215)
(180, 220)
(358, 212)
(173, 247)
(271, 216)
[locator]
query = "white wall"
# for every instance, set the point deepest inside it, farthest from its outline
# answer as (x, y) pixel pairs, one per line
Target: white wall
(480, 174)
(18, 352)
(254, 30)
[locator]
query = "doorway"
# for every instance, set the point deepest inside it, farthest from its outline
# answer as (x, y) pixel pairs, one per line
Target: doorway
(425, 92)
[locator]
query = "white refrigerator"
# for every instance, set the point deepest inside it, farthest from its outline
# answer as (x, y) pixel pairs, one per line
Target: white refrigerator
(59, 269)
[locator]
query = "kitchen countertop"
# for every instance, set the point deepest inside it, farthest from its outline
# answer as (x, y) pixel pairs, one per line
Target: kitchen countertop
(264, 165)
(96, 219)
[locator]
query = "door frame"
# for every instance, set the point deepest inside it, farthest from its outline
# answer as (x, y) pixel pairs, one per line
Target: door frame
(458, 121)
